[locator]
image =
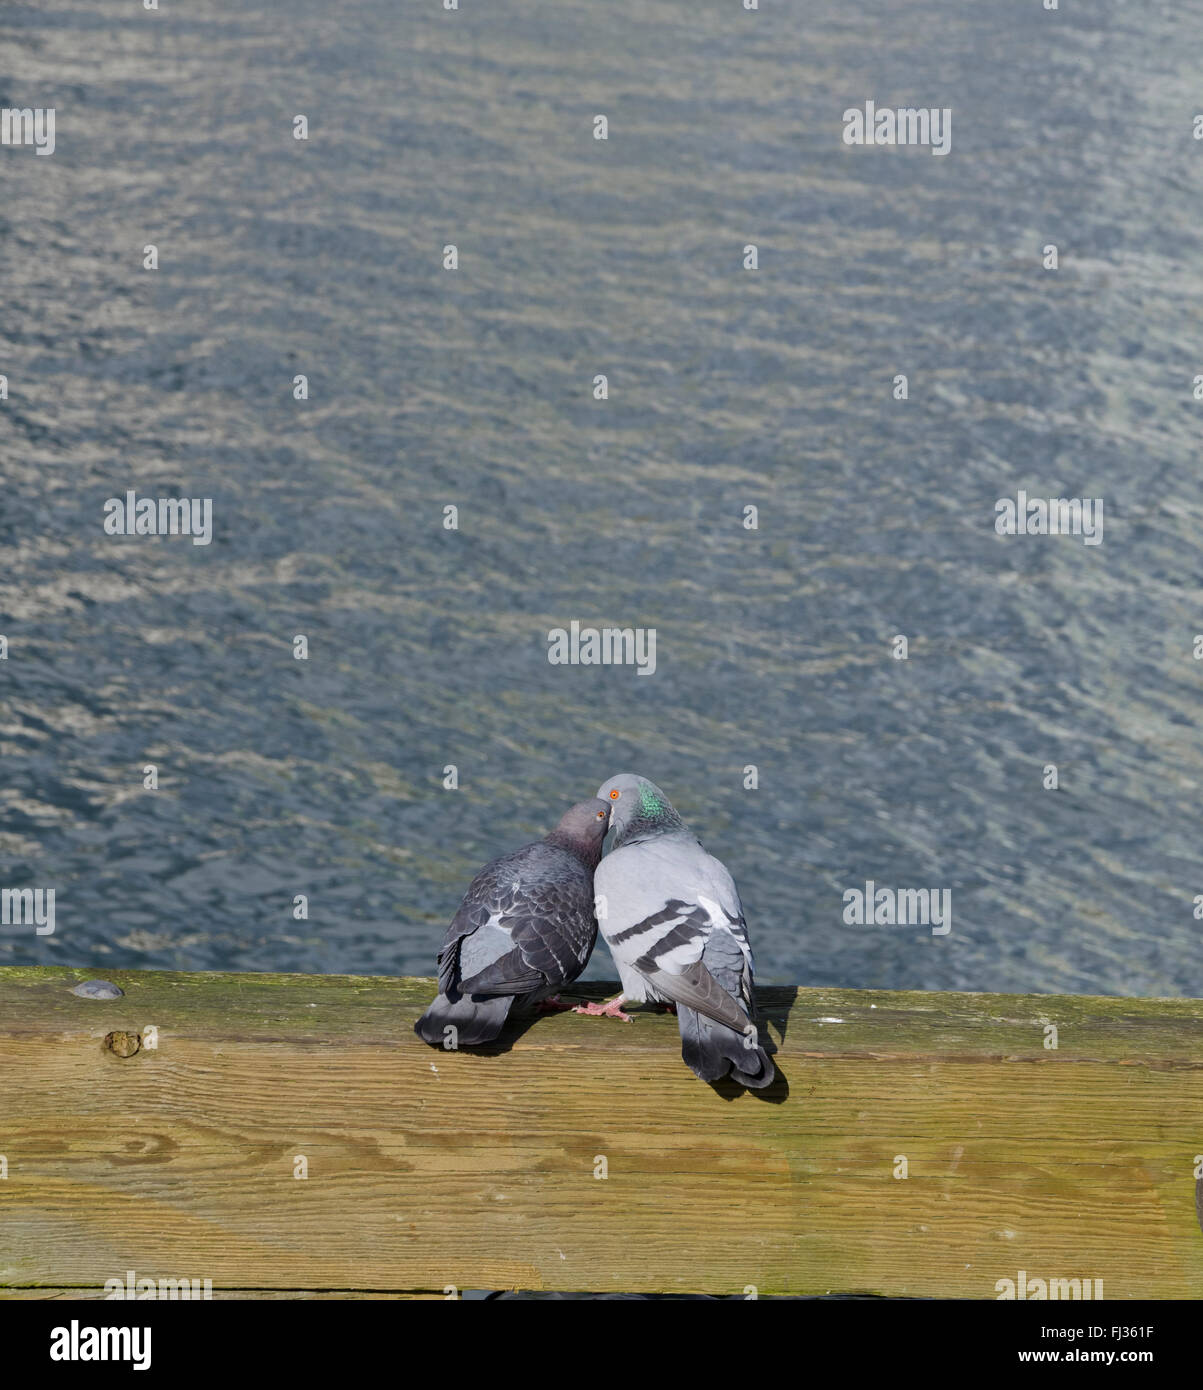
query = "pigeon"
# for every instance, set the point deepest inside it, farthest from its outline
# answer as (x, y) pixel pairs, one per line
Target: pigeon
(524, 929)
(671, 916)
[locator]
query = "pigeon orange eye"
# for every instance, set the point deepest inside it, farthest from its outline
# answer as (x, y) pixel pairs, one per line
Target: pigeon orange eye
(601, 815)
(615, 794)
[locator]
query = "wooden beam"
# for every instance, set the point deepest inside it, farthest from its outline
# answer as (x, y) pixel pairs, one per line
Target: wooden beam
(428, 1169)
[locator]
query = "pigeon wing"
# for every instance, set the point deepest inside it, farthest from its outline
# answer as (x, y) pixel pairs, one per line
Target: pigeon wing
(479, 933)
(696, 988)
(546, 914)
(665, 898)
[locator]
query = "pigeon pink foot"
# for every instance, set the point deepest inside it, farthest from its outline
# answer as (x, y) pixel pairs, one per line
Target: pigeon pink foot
(612, 1008)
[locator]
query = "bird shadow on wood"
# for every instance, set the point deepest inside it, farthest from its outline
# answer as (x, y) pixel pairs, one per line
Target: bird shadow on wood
(516, 1026)
(775, 1093)
(774, 1004)
(771, 1004)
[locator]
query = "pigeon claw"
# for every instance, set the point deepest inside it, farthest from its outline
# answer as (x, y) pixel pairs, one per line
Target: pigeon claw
(612, 1008)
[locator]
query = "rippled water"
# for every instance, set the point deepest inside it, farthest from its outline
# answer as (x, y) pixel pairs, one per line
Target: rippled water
(728, 388)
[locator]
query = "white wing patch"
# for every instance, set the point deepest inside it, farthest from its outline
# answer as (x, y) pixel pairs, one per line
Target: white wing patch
(718, 918)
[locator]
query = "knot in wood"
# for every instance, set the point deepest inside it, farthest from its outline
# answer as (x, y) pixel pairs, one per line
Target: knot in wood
(122, 1044)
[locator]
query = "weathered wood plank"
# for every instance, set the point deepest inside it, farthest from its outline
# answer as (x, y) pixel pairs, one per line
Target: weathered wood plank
(429, 1169)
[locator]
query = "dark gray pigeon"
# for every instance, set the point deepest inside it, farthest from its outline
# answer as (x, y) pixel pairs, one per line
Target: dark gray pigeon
(524, 930)
(672, 918)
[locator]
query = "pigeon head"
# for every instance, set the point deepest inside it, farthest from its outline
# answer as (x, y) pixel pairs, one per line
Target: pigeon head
(638, 808)
(582, 830)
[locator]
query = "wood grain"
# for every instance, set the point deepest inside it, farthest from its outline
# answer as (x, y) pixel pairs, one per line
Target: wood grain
(429, 1169)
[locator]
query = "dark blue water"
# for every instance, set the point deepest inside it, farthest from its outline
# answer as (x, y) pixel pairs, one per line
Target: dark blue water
(728, 388)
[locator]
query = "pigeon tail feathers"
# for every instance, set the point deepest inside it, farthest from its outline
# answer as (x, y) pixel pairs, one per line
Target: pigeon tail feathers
(474, 1020)
(712, 1051)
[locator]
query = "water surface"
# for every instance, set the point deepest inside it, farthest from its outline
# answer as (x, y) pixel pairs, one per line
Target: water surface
(728, 388)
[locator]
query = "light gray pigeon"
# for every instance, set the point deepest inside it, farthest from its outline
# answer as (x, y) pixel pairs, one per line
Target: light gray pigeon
(524, 929)
(671, 916)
